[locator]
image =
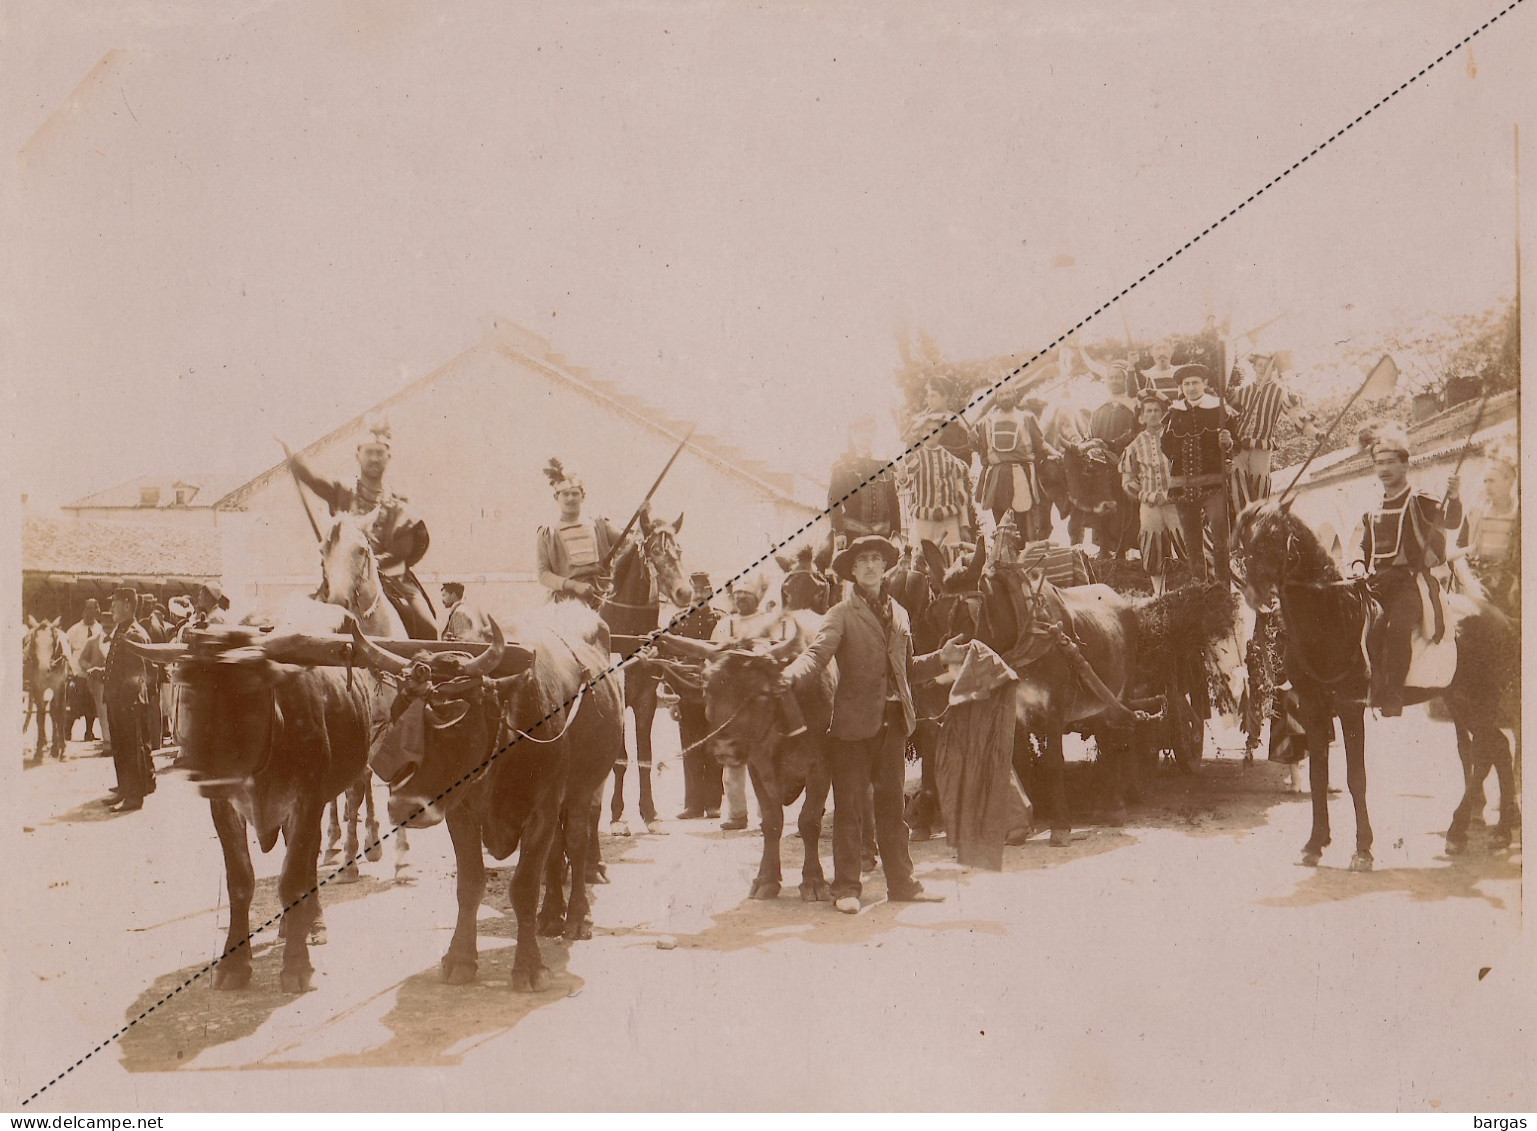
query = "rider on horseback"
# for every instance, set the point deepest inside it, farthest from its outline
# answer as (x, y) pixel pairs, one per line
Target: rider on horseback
(573, 555)
(1402, 541)
(399, 539)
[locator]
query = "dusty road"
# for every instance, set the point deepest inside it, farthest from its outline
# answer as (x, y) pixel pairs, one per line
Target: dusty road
(1186, 962)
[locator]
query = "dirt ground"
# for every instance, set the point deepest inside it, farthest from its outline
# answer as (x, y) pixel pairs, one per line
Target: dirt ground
(1184, 962)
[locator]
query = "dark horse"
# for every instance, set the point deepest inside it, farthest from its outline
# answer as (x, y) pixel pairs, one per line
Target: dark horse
(1327, 622)
(644, 567)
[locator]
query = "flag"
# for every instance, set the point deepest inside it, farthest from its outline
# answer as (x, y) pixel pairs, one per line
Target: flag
(1382, 380)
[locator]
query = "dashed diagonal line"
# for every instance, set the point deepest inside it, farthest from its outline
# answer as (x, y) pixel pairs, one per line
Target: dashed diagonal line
(614, 669)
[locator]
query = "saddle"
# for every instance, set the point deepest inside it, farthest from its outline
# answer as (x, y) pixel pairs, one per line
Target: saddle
(1433, 665)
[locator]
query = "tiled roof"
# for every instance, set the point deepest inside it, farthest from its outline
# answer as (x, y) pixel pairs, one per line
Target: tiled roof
(1435, 437)
(205, 491)
(85, 547)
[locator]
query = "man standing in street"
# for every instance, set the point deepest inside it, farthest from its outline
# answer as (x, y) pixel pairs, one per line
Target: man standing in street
(125, 691)
(462, 620)
(703, 786)
(89, 665)
(869, 635)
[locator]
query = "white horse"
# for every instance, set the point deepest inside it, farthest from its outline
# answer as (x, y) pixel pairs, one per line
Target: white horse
(352, 581)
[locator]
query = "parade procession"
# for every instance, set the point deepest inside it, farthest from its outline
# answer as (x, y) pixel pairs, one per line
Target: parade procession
(749, 670)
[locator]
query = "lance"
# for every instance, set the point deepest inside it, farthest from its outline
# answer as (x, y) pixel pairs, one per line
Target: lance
(1478, 419)
(1324, 438)
(683, 443)
(299, 487)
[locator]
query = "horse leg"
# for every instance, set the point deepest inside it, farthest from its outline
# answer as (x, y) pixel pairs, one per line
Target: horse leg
(766, 884)
(814, 885)
(234, 969)
(1353, 730)
(1505, 773)
(926, 806)
(402, 857)
(1468, 755)
(60, 728)
(1318, 728)
(529, 973)
(617, 825)
(1054, 771)
(460, 964)
(645, 716)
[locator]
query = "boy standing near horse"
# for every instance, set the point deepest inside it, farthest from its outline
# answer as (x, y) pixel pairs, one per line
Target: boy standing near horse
(1402, 540)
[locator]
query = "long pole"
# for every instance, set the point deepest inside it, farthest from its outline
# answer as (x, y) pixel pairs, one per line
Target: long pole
(683, 443)
(1323, 439)
(1517, 135)
(303, 500)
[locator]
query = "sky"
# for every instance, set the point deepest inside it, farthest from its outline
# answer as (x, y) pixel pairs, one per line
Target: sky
(226, 223)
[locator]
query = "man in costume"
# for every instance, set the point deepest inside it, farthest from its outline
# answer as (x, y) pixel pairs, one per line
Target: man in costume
(1145, 478)
(572, 556)
(1161, 375)
(1198, 438)
(398, 537)
(1401, 541)
(1012, 447)
(1491, 536)
(1260, 407)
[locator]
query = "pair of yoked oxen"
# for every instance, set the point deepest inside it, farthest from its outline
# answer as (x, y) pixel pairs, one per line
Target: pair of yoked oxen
(510, 742)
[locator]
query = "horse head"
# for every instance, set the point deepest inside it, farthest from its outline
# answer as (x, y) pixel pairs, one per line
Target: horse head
(1273, 546)
(348, 565)
(664, 558)
(46, 646)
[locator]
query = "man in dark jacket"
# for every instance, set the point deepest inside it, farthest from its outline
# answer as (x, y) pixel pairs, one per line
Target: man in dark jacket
(1197, 438)
(1400, 543)
(869, 635)
(703, 782)
(125, 695)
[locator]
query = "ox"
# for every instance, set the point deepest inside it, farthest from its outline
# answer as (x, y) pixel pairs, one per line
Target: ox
(503, 761)
(269, 744)
(740, 686)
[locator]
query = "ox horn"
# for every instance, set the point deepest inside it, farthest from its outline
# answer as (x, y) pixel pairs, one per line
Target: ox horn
(487, 661)
(374, 656)
(689, 649)
(786, 649)
(157, 653)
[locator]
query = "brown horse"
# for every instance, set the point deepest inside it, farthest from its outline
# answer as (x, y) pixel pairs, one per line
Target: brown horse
(644, 568)
(1328, 622)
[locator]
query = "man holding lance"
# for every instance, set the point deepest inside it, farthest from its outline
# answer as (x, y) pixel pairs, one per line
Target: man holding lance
(1402, 541)
(398, 537)
(572, 555)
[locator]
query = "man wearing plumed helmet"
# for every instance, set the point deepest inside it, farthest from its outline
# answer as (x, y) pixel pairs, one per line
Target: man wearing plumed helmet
(1401, 541)
(572, 555)
(399, 538)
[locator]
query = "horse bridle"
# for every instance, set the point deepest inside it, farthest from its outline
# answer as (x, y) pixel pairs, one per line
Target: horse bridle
(59, 659)
(659, 542)
(1356, 585)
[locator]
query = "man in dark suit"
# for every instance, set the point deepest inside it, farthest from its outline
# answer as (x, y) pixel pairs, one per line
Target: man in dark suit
(125, 695)
(869, 635)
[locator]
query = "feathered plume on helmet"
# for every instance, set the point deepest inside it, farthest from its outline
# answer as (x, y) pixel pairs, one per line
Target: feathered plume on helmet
(555, 472)
(378, 428)
(1501, 452)
(1385, 437)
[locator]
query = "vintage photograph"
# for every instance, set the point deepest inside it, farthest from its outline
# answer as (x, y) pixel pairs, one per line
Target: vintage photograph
(699, 557)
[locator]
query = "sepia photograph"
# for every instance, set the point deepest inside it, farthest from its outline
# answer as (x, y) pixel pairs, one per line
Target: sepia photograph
(680, 556)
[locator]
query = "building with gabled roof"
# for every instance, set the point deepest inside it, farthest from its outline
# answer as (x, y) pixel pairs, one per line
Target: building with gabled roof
(469, 442)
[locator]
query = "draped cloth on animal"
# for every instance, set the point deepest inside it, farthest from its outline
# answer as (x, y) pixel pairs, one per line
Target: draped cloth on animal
(978, 793)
